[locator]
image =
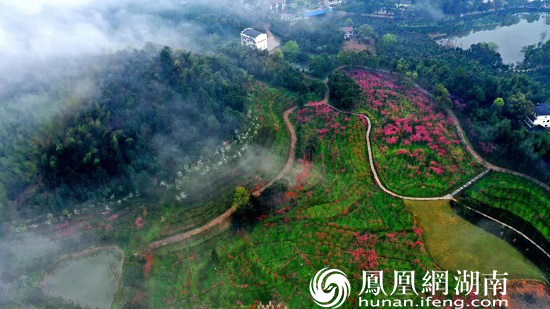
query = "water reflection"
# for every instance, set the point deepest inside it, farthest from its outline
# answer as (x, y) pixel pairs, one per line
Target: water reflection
(513, 33)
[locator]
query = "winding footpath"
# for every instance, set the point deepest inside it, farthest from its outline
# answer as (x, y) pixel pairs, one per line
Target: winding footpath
(464, 140)
(456, 123)
(372, 166)
(227, 214)
(225, 217)
(371, 157)
(484, 162)
(291, 153)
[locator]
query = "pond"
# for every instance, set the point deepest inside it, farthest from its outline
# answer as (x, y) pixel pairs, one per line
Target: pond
(511, 38)
(89, 279)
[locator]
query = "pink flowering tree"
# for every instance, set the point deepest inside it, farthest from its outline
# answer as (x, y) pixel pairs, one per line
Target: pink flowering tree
(416, 146)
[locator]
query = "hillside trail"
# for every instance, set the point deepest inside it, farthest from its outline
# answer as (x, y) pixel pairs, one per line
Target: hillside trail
(291, 156)
(456, 124)
(227, 214)
(489, 166)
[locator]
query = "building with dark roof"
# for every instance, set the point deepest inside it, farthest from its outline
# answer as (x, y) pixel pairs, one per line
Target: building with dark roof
(254, 38)
(540, 117)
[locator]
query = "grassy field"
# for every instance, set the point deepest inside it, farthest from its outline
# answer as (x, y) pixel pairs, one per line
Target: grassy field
(455, 244)
(517, 195)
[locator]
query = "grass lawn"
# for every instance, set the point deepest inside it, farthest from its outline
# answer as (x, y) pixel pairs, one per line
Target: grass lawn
(455, 244)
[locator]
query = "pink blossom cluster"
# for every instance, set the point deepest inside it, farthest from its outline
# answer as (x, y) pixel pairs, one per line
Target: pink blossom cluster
(139, 222)
(321, 112)
(488, 147)
(409, 124)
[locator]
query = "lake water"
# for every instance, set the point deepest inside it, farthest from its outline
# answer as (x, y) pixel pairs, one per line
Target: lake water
(510, 39)
(90, 280)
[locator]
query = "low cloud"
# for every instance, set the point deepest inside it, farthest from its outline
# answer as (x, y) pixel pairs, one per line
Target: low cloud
(36, 33)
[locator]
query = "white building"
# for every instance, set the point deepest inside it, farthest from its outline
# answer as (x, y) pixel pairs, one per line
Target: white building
(348, 32)
(541, 116)
(333, 2)
(291, 16)
(254, 38)
(275, 6)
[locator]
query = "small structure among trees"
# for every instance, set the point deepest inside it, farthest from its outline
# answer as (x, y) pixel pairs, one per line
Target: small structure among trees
(540, 117)
(254, 38)
(348, 32)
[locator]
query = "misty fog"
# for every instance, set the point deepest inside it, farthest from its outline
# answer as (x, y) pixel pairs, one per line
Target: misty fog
(43, 32)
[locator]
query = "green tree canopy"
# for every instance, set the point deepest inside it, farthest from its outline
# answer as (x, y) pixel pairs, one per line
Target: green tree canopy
(291, 50)
(241, 197)
(366, 33)
(499, 102)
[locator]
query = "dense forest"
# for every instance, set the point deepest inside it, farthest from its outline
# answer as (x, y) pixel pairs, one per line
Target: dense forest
(149, 114)
(537, 56)
(275, 70)
(144, 111)
(344, 92)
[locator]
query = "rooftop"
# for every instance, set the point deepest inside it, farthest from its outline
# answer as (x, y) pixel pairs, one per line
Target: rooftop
(542, 109)
(252, 32)
(317, 12)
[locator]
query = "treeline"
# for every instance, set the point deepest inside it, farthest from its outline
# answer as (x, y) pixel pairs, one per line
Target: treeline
(434, 9)
(316, 36)
(149, 114)
(275, 70)
(537, 56)
(344, 91)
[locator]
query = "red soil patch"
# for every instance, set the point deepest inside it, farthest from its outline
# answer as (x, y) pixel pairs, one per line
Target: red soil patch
(149, 259)
(354, 46)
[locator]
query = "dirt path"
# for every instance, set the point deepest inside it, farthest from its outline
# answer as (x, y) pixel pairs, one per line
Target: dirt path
(272, 41)
(484, 162)
(291, 155)
(227, 215)
(291, 152)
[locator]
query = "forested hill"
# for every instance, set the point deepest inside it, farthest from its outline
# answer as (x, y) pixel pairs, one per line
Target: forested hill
(148, 114)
